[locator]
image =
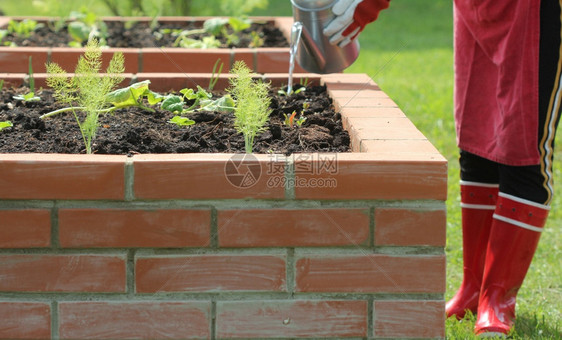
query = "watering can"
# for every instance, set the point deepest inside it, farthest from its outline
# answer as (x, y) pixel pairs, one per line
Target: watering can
(314, 53)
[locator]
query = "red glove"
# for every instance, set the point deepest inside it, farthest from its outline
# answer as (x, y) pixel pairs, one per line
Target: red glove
(351, 17)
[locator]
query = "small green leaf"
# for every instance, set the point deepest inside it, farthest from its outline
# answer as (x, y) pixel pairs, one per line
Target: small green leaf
(189, 94)
(224, 104)
(239, 24)
(79, 31)
(154, 97)
(128, 96)
(214, 25)
(29, 97)
(181, 121)
(173, 104)
(5, 124)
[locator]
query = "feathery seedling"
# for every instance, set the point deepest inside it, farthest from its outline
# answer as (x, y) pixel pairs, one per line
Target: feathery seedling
(87, 88)
(251, 111)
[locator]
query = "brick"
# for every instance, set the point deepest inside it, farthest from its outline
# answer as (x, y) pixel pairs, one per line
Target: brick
(206, 273)
(208, 176)
(384, 128)
(369, 112)
(134, 228)
(403, 227)
(409, 319)
(58, 176)
(359, 102)
(16, 60)
(401, 147)
(67, 58)
(25, 320)
(371, 273)
(62, 273)
(293, 228)
(12, 79)
(177, 81)
(4, 21)
(41, 79)
(288, 319)
(127, 320)
(284, 24)
(275, 60)
(280, 79)
(359, 176)
(30, 228)
(368, 92)
(247, 55)
(182, 60)
(349, 81)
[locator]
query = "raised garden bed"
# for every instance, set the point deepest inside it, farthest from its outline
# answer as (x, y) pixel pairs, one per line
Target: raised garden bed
(153, 58)
(316, 245)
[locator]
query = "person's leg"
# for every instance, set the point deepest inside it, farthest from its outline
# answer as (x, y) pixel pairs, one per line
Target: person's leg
(479, 193)
(514, 235)
(525, 195)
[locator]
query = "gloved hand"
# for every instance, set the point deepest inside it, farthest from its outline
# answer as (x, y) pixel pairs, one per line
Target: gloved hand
(351, 16)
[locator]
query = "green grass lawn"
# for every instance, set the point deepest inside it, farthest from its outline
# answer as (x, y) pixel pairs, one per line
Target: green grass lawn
(409, 53)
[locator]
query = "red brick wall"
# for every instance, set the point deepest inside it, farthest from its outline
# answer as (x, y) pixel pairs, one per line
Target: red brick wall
(165, 247)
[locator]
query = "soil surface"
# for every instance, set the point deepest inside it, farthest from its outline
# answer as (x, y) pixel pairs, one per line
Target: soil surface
(140, 34)
(136, 131)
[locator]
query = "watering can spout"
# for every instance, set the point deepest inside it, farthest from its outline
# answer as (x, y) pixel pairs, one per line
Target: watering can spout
(313, 50)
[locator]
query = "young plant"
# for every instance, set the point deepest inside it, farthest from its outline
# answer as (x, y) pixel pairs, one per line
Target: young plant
(214, 28)
(85, 26)
(5, 124)
(29, 97)
(290, 121)
(288, 92)
(257, 40)
(181, 121)
(3, 34)
(87, 88)
(252, 103)
(215, 75)
(22, 28)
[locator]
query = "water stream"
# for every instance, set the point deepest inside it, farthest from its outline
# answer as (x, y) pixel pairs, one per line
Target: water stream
(295, 41)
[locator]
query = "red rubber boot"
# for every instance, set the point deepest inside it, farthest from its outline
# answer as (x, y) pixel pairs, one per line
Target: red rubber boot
(478, 201)
(514, 237)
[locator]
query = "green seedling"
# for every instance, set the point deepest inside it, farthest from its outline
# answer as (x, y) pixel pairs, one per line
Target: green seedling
(5, 124)
(183, 40)
(283, 92)
(86, 88)
(290, 121)
(22, 28)
(252, 103)
(3, 34)
(132, 96)
(202, 101)
(29, 97)
(181, 121)
(214, 28)
(85, 26)
(257, 40)
(215, 75)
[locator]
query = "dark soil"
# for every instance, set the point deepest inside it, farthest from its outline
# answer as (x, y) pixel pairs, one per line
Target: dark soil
(134, 131)
(140, 34)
